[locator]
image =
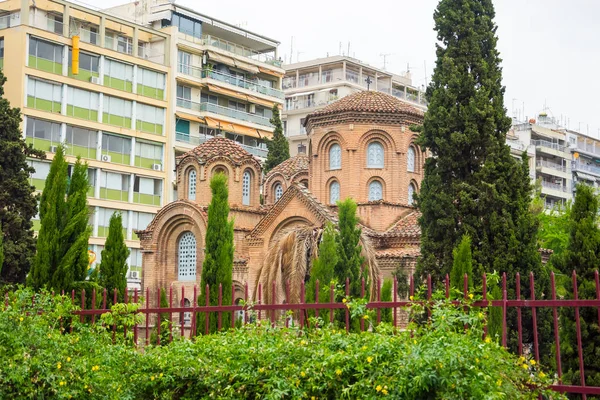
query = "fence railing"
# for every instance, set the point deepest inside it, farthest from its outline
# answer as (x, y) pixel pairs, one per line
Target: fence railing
(182, 314)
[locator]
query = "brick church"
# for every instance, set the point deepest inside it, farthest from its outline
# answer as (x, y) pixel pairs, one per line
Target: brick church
(359, 147)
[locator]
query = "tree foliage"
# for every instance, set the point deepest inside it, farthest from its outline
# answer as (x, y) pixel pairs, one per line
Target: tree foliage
(18, 201)
(113, 265)
(583, 256)
(462, 264)
(350, 263)
(217, 268)
(279, 148)
(1, 247)
(386, 295)
(61, 260)
(324, 266)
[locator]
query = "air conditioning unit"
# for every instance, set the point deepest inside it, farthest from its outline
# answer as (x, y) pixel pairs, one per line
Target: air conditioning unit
(53, 149)
(252, 108)
(95, 79)
(106, 158)
(157, 167)
(134, 274)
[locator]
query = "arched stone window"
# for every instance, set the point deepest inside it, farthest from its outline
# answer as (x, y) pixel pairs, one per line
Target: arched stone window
(246, 181)
(375, 191)
(335, 156)
(278, 191)
(334, 192)
(411, 193)
(186, 260)
(192, 185)
(410, 159)
(375, 155)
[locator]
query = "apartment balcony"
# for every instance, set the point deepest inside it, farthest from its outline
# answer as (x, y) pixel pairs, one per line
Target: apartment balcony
(230, 79)
(589, 148)
(551, 168)
(555, 189)
(239, 50)
(196, 140)
(224, 111)
(547, 147)
(581, 167)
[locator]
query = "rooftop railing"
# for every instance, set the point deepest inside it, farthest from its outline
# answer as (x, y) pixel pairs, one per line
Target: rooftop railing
(554, 186)
(545, 143)
(199, 139)
(225, 111)
(578, 166)
(551, 165)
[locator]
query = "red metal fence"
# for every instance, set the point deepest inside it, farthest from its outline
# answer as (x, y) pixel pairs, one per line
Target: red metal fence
(183, 318)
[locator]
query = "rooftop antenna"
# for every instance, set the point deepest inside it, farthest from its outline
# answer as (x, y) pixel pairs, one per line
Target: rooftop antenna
(348, 53)
(340, 50)
(291, 49)
(385, 56)
(425, 68)
(298, 55)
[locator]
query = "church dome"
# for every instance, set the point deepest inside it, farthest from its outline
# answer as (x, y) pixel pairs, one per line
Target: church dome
(290, 167)
(219, 147)
(369, 102)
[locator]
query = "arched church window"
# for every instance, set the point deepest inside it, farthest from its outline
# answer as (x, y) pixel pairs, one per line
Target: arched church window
(334, 192)
(411, 194)
(278, 191)
(192, 185)
(410, 159)
(335, 157)
(375, 155)
(186, 260)
(375, 191)
(246, 179)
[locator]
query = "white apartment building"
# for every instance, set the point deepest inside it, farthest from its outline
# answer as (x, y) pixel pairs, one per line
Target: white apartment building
(311, 85)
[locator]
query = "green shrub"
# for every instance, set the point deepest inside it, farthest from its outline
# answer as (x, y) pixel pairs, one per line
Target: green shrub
(41, 360)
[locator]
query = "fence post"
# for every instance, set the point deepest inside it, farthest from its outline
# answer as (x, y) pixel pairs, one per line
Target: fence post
(260, 293)
(578, 327)
(81, 317)
(93, 305)
(534, 318)
(135, 326)
(170, 313)
(347, 310)
(206, 313)
(316, 299)
(331, 301)
(220, 303)
(556, 331)
(519, 321)
(232, 303)
(147, 315)
(484, 290)
(302, 309)
(504, 305)
(362, 296)
(126, 301)
(273, 295)
(245, 303)
(158, 305)
(429, 298)
(194, 311)
(378, 300)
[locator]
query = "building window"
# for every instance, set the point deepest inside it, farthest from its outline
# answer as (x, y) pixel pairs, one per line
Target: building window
(117, 148)
(375, 155)
(81, 142)
(148, 155)
(141, 220)
(278, 191)
(89, 65)
(335, 157)
(375, 191)
(45, 56)
(117, 112)
(118, 75)
(186, 256)
(410, 159)
(334, 192)
(114, 186)
(185, 62)
(82, 104)
(187, 25)
(246, 188)
(42, 134)
(149, 119)
(43, 95)
(192, 185)
(151, 83)
(411, 194)
(147, 191)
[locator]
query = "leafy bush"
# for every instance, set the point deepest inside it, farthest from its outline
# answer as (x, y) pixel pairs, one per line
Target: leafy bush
(39, 359)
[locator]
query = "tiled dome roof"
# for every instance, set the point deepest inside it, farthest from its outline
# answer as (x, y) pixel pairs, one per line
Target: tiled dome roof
(369, 101)
(218, 146)
(291, 166)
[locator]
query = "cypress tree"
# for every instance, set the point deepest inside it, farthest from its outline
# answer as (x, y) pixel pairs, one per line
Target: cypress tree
(1, 247)
(472, 184)
(18, 202)
(350, 262)
(582, 255)
(324, 266)
(279, 148)
(462, 264)
(113, 266)
(218, 257)
(52, 217)
(386, 295)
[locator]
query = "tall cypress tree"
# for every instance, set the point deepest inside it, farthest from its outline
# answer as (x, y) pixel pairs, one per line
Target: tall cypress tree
(18, 202)
(462, 264)
(582, 255)
(113, 266)
(350, 264)
(218, 254)
(1, 247)
(52, 216)
(472, 185)
(323, 267)
(279, 148)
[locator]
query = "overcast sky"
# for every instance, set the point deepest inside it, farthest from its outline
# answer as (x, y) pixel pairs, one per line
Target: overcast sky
(550, 48)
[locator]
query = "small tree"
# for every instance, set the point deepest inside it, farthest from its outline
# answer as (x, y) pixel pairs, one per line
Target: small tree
(113, 266)
(279, 148)
(350, 264)
(324, 266)
(462, 264)
(18, 201)
(218, 254)
(386, 295)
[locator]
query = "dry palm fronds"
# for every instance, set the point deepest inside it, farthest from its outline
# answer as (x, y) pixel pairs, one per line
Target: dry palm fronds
(290, 258)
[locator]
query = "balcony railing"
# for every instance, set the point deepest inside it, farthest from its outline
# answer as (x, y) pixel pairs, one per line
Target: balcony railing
(520, 146)
(551, 165)
(554, 186)
(225, 111)
(230, 79)
(398, 93)
(5, 21)
(577, 166)
(545, 143)
(231, 47)
(199, 139)
(589, 148)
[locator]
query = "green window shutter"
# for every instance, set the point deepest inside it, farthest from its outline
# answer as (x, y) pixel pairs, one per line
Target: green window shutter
(182, 126)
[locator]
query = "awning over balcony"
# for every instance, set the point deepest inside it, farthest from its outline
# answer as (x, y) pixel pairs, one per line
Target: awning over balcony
(190, 117)
(585, 176)
(270, 72)
(246, 66)
(216, 57)
(548, 133)
(188, 82)
(236, 128)
(239, 95)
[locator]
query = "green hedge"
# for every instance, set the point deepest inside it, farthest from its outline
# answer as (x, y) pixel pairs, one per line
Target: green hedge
(39, 359)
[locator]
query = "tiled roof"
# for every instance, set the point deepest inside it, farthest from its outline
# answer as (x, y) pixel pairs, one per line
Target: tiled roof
(369, 101)
(218, 146)
(291, 166)
(406, 226)
(398, 253)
